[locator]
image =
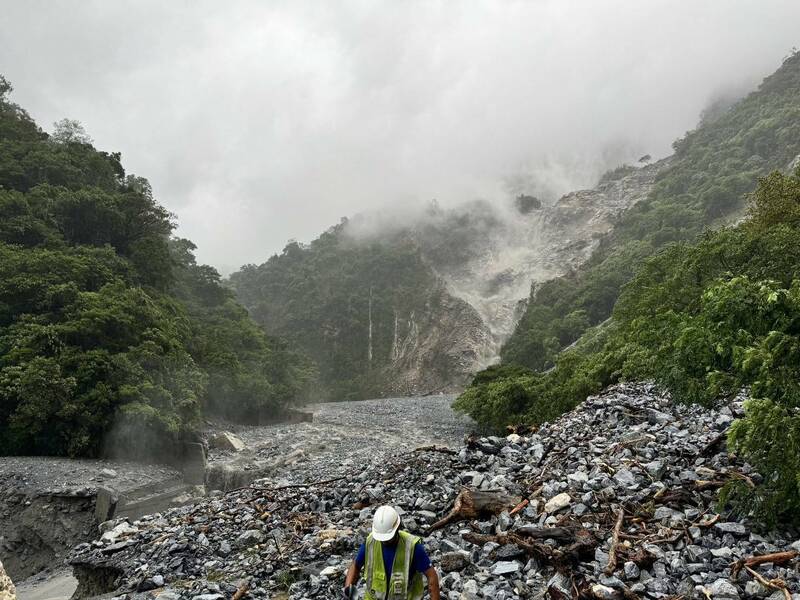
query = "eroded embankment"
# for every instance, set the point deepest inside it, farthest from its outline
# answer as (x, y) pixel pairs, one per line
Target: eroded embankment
(47, 506)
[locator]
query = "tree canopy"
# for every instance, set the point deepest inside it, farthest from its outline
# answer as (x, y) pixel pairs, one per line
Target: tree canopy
(107, 324)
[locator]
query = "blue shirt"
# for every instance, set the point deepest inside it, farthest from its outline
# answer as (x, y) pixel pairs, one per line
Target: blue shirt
(419, 564)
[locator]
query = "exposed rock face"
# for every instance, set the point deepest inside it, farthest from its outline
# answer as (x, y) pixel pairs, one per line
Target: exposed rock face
(487, 261)
(7, 589)
(627, 465)
(436, 350)
(507, 255)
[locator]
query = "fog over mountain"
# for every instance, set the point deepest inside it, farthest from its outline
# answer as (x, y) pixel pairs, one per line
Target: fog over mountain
(259, 122)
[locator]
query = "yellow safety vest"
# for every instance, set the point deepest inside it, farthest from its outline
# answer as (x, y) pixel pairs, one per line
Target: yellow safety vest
(398, 587)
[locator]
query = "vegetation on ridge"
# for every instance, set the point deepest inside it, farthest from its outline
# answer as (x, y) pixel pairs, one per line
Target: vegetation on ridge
(341, 300)
(712, 168)
(110, 333)
(703, 320)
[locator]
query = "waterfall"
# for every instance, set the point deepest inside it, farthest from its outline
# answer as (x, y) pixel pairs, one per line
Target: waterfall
(395, 351)
(369, 344)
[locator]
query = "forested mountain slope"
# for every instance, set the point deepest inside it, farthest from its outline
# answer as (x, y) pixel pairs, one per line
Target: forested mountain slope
(111, 336)
(711, 170)
(418, 304)
(374, 317)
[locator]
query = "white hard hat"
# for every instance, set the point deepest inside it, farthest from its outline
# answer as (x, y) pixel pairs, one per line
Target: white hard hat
(385, 523)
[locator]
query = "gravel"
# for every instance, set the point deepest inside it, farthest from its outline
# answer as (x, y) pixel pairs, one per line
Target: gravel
(342, 437)
(639, 454)
(44, 476)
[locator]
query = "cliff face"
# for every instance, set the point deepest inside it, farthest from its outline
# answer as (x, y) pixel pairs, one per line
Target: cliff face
(374, 316)
(418, 308)
(437, 349)
(515, 251)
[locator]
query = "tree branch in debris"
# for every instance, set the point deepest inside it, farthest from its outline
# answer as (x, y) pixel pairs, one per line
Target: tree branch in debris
(612, 553)
(471, 504)
(433, 448)
(779, 558)
(561, 558)
(775, 584)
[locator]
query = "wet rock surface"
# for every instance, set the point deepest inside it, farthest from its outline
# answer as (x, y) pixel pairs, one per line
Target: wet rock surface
(619, 502)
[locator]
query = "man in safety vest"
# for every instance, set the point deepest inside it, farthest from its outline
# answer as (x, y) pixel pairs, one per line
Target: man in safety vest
(393, 561)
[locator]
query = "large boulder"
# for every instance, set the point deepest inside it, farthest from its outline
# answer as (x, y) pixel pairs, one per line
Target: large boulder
(7, 589)
(225, 440)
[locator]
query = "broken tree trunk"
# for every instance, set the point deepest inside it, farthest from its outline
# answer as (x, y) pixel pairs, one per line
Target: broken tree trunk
(471, 504)
(563, 557)
(562, 534)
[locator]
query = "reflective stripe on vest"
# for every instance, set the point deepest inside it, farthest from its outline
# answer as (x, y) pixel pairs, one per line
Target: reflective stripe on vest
(398, 587)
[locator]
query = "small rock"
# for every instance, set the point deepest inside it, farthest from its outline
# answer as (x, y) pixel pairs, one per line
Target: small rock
(454, 561)
(557, 502)
(603, 592)
(251, 537)
(225, 440)
(722, 588)
(731, 527)
(631, 570)
(505, 567)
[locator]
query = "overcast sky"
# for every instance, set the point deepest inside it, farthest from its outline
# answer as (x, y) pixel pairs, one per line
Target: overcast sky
(261, 121)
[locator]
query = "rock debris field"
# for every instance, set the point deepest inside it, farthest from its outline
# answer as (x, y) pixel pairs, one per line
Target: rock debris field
(344, 436)
(614, 500)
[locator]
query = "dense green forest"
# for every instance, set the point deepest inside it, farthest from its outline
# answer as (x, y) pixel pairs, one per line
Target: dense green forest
(712, 168)
(112, 338)
(347, 303)
(703, 313)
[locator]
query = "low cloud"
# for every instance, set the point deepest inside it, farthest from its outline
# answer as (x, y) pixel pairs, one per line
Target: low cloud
(259, 122)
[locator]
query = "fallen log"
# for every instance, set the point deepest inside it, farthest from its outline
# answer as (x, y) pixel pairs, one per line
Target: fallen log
(612, 553)
(779, 558)
(471, 504)
(564, 534)
(564, 557)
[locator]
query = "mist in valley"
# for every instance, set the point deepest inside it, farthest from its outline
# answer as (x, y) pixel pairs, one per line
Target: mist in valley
(271, 121)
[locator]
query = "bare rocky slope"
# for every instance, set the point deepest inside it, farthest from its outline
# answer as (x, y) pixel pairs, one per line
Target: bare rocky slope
(617, 499)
